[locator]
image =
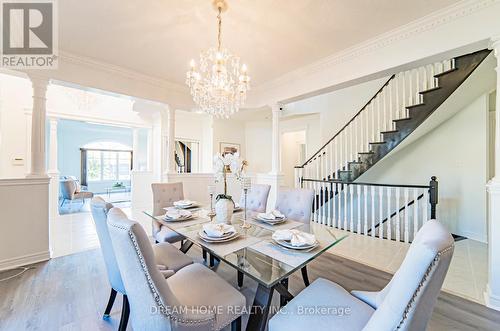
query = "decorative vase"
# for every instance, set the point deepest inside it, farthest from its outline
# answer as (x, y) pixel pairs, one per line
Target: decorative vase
(224, 210)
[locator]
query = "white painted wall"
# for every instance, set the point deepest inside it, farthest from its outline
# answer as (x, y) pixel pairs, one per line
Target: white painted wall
(457, 153)
(15, 97)
(336, 108)
(24, 218)
(229, 131)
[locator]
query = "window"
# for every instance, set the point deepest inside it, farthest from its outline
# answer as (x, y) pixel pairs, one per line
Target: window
(101, 165)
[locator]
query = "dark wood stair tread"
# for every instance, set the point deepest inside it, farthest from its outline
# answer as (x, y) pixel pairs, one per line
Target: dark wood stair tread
(445, 72)
(389, 131)
(415, 106)
(431, 90)
(402, 119)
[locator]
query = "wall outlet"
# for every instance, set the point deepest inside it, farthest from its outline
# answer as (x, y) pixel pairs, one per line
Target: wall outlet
(18, 161)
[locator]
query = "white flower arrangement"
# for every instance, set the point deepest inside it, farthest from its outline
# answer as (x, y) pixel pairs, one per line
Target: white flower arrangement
(228, 163)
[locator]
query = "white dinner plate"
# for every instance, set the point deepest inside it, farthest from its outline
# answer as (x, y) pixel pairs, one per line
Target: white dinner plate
(206, 238)
(166, 219)
(271, 222)
(288, 245)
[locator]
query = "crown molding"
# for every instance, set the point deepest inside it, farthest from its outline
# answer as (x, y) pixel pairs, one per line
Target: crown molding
(120, 71)
(441, 17)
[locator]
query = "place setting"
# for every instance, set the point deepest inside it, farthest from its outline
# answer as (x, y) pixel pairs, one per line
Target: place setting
(177, 215)
(218, 233)
(272, 218)
(186, 204)
(295, 240)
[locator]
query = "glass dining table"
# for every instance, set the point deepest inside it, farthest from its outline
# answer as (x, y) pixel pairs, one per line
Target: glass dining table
(256, 255)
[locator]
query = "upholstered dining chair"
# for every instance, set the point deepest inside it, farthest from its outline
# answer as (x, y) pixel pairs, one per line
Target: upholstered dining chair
(406, 303)
(256, 198)
(164, 195)
(179, 302)
(168, 258)
(296, 204)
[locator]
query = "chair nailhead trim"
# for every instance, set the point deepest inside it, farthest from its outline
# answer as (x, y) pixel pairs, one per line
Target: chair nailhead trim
(152, 286)
(421, 285)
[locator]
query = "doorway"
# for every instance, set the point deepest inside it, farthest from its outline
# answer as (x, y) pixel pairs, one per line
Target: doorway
(293, 146)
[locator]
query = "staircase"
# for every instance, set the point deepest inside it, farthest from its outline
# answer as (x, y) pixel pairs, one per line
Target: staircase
(403, 103)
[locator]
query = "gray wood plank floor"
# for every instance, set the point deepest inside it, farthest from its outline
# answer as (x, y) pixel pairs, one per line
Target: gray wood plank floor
(70, 293)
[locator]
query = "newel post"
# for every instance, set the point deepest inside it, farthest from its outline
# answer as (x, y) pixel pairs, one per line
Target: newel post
(433, 196)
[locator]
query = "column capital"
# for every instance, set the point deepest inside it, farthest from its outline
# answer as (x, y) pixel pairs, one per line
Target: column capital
(276, 107)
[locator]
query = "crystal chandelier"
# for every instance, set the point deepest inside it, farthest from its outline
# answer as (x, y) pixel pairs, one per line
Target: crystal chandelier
(219, 86)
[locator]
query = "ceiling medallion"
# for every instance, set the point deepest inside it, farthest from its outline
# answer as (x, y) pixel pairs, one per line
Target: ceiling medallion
(219, 85)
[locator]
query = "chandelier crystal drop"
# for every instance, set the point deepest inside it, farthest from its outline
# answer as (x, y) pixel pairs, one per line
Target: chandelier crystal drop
(219, 85)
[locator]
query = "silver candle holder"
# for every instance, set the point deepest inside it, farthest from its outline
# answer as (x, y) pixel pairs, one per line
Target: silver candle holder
(246, 184)
(211, 191)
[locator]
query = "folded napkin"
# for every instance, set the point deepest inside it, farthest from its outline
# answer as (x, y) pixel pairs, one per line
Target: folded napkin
(218, 230)
(295, 237)
(175, 214)
(237, 205)
(275, 214)
(183, 203)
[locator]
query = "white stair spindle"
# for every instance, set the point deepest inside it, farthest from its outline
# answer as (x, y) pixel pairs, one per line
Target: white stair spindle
(339, 205)
(365, 209)
(329, 202)
(403, 106)
(407, 232)
(383, 95)
(358, 215)
(397, 220)
(334, 205)
(389, 212)
(417, 86)
(336, 162)
(415, 212)
(425, 206)
(380, 211)
(373, 210)
(346, 188)
(410, 100)
(432, 73)
(351, 208)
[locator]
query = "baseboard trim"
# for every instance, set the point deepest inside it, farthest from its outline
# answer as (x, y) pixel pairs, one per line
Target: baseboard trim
(24, 260)
(492, 301)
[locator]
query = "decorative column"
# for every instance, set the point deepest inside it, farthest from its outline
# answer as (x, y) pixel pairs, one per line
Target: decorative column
(150, 159)
(53, 171)
(135, 149)
(275, 177)
(171, 142)
(276, 147)
(492, 295)
(38, 116)
(167, 142)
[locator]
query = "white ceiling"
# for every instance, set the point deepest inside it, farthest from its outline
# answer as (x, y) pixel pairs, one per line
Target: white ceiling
(159, 37)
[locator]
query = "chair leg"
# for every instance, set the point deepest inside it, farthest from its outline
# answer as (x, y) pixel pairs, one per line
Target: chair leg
(240, 279)
(111, 301)
(62, 203)
(204, 254)
(305, 276)
(236, 324)
(125, 314)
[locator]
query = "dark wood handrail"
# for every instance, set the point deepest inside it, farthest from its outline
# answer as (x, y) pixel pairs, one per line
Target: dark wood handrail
(347, 124)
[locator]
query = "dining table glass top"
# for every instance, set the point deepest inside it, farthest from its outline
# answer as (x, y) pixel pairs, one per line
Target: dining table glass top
(254, 252)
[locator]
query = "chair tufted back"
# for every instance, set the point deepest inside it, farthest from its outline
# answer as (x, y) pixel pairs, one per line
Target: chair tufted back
(100, 209)
(296, 204)
(407, 302)
(68, 189)
(153, 304)
(256, 198)
(164, 195)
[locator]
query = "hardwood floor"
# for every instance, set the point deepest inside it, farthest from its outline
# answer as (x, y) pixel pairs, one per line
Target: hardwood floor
(70, 293)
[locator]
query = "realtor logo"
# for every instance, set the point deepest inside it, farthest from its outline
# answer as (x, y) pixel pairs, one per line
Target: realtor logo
(29, 39)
